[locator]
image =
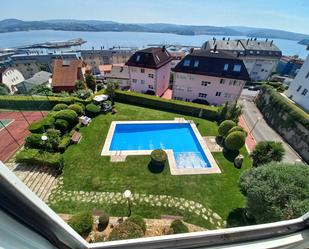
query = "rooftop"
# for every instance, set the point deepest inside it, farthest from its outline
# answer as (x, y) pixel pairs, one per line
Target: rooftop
(153, 57)
(216, 64)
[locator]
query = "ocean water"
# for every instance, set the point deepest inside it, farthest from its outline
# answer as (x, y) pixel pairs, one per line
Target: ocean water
(178, 137)
(127, 39)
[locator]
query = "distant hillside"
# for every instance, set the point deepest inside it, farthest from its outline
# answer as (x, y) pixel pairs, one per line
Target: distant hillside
(12, 25)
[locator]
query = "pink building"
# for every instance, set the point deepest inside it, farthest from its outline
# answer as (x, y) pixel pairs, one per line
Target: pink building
(209, 77)
(149, 71)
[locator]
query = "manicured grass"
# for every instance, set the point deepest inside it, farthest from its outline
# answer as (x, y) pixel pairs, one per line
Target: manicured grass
(86, 170)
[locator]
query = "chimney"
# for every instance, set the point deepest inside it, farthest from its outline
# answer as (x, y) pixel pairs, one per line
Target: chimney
(237, 42)
(163, 48)
(255, 39)
(238, 54)
(251, 39)
(215, 48)
(214, 38)
(191, 50)
(266, 39)
(248, 41)
(271, 43)
(214, 41)
(228, 39)
(223, 39)
(308, 47)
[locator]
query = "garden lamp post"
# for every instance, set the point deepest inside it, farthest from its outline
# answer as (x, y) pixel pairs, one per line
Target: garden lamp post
(44, 138)
(127, 195)
(256, 122)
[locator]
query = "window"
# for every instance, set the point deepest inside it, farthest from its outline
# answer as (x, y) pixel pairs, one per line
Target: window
(227, 95)
(307, 76)
(202, 95)
(138, 57)
(304, 92)
(189, 89)
(188, 100)
(298, 89)
(150, 75)
(226, 67)
(222, 81)
(179, 88)
(218, 94)
(237, 68)
(191, 77)
(234, 82)
(205, 83)
(186, 63)
(134, 80)
(142, 82)
(178, 98)
(133, 69)
(196, 63)
(142, 70)
(150, 86)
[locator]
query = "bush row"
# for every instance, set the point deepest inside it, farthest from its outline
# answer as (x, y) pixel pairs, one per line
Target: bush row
(17, 102)
(40, 158)
(177, 106)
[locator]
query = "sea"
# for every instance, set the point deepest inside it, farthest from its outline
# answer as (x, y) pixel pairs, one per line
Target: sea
(96, 40)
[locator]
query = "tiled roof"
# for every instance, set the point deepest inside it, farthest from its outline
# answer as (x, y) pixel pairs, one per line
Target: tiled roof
(154, 57)
(66, 72)
(216, 64)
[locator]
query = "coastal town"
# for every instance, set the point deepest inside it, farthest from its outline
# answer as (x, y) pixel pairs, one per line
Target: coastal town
(164, 145)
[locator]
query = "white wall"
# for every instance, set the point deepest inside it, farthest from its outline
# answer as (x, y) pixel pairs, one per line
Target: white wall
(187, 87)
(12, 77)
(260, 68)
(119, 74)
(162, 79)
(298, 86)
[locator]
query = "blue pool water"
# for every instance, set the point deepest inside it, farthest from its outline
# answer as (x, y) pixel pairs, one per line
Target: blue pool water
(178, 137)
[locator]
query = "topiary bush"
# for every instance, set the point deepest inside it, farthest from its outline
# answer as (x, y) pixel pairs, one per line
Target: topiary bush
(68, 115)
(126, 230)
(235, 140)
(177, 226)
(77, 108)
(225, 126)
(138, 220)
(158, 157)
(92, 110)
(237, 128)
(60, 107)
(36, 127)
(103, 222)
(34, 141)
(40, 158)
(62, 125)
(82, 223)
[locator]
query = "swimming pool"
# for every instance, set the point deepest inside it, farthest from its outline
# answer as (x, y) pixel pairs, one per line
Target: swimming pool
(182, 142)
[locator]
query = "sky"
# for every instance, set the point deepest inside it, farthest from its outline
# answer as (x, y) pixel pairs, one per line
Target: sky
(290, 15)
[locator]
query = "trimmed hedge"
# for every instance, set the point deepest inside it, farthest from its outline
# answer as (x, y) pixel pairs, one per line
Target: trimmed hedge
(225, 127)
(177, 106)
(36, 127)
(158, 157)
(235, 140)
(82, 223)
(237, 128)
(68, 115)
(60, 107)
(40, 158)
(62, 125)
(20, 102)
(177, 226)
(126, 230)
(77, 108)
(138, 220)
(92, 110)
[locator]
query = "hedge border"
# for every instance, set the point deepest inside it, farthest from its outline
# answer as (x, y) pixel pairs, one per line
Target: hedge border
(177, 106)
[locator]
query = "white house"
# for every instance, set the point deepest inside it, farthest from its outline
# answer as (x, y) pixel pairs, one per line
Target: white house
(210, 77)
(260, 57)
(119, 73)
(299, 87)
(11, 77)
(149, 70)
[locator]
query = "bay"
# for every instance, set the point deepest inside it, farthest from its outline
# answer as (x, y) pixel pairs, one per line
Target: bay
(127, 39)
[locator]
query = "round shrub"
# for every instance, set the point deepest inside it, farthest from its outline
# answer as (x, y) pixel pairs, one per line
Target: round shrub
(81, 105)
(158, 157)
(62, 125)
(126, 230)
(77, 108)
(60, 107)
(100, 86)
(237, 128)
(48, 122)
(138, 220)
(92, 110)
(177, 226)
(68, 115)
(36, 127)
(103, 222)
(235, 140)
(34, 141)
(82, 223)
(225, 126)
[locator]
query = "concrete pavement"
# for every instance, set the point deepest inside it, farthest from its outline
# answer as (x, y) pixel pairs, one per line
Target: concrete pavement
(262, 131)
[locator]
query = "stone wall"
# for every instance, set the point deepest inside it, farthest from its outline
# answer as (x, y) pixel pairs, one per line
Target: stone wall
(289, 121)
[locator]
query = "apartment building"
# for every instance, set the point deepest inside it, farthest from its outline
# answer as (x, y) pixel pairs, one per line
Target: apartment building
(149, 70)
(11, 77)
(260, 57)
(210, 77)
(118, 73)
(299, 87)
(289, 66)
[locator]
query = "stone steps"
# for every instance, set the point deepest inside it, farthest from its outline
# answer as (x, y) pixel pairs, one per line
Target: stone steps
(40, 180)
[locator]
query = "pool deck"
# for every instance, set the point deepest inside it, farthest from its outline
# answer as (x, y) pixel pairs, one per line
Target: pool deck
(214, 169)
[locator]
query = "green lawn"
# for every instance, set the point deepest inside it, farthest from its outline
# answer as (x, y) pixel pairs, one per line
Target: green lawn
(86, 170)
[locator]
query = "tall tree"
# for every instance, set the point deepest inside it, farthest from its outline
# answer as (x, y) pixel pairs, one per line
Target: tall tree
(110, 90)
(90, 82)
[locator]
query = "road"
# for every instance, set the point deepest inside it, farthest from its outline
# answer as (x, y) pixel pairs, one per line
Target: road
(262, 131)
